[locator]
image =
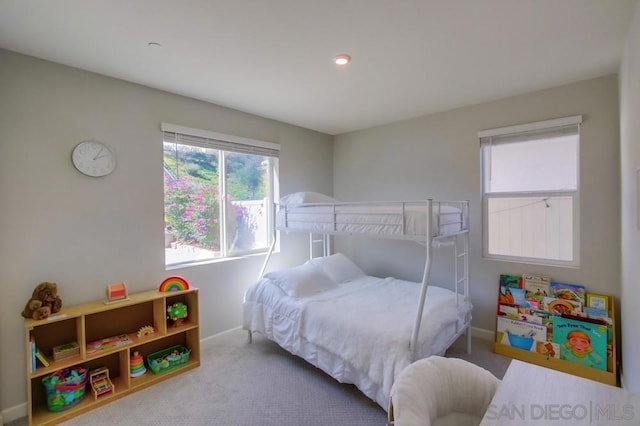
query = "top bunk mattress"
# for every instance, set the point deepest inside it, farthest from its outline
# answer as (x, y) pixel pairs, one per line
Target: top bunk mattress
(394, 219)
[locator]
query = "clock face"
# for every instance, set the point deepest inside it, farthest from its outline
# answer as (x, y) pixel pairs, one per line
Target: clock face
(93, 158)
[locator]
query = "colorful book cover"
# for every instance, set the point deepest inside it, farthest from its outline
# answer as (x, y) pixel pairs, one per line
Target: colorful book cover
(561, 306)
(510, 311)
(536, 317)
(548, 349)
(511, 296)
(581, 342)
(33, 355)
(537, 285)
(513, 281)
(598, 301)
(596, 313)
(43, 359)
(519, 334)
(534, 303)
(566, 291)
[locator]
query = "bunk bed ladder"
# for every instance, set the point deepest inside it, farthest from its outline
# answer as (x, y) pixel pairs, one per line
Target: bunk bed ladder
(461, 274)
(323, 239)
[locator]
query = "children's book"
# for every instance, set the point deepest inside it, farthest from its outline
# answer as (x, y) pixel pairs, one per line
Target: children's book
(32, 347)
(537, 285)
(581, 342)
(511, 296)
(43, 359)
(558, 306)
(566, 291)
(536, 317)
(513, 281)
(596, 313)
(549, 349)
(598, 301)
(519, 334)
(534, 303)
(510, 311)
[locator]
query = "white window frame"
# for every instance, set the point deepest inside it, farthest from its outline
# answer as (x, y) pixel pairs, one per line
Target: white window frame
(219, 141)
(522, 130)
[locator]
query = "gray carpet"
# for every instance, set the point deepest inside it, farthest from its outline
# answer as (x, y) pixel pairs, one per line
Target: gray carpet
(256, 384)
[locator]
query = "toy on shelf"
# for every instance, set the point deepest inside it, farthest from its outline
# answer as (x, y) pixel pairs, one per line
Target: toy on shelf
(137, 365)
(176, 314)
(117, 292)
(100, 382)
(145, 331)
(174, 283)
(43, 302)
(108, 343)
(65, 351)
(65, 388)
(168, 359)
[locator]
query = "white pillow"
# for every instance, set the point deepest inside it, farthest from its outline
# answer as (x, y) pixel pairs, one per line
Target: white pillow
(338, 267)
(301, 281)
(305, 197)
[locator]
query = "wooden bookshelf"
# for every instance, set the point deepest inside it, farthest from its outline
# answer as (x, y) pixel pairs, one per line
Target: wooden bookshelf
(609, 377)
(95, 321)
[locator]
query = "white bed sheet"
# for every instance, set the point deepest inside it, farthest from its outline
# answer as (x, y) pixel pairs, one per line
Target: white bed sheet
(359, 332)
(384, 219)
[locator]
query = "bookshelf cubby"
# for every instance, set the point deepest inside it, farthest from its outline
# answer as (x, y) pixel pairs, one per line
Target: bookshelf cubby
(95, 321)
(609, 377)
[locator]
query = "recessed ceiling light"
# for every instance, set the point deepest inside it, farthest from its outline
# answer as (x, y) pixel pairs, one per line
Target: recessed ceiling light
(342, 59)
(154, 44)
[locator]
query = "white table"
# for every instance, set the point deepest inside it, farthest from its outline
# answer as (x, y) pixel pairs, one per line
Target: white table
(533, 395)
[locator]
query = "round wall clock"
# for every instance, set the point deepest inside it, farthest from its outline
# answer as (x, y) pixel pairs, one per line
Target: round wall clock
(93, 158)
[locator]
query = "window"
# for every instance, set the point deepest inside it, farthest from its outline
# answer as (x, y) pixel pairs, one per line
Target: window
(530, 194)
(218, 193)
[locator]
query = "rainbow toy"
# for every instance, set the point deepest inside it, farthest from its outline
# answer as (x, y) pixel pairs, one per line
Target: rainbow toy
(174, 284)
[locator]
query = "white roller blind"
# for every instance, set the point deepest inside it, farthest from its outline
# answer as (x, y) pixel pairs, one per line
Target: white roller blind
(213, 140)
(531, 157)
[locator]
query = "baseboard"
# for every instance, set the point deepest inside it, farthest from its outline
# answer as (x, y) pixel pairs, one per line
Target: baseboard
(13, 413)
(483, 334)
(208, 340)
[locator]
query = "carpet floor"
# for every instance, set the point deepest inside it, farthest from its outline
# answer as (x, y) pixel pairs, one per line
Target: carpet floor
(256, 384)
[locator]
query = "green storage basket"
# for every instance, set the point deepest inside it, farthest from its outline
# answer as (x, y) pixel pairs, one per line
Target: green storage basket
(65, 388)
(168, 359)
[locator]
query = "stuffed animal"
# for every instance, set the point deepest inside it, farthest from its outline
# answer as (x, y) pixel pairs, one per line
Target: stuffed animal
(44, 302)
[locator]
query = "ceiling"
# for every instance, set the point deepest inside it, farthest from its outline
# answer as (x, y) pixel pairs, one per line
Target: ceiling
(273, 57)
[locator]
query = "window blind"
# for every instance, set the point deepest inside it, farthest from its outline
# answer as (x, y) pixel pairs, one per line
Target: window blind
(533, 131)
(212, 140)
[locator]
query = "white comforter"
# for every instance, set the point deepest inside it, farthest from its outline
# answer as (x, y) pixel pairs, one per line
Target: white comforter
(358, 332)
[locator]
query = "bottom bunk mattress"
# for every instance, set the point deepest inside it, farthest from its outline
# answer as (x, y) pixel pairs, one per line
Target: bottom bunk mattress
(359, 331)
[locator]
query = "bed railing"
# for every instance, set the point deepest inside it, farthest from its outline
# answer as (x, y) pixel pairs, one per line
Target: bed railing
(443, 221)
(386, 219)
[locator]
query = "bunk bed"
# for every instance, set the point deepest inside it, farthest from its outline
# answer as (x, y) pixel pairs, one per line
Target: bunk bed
(361, 329)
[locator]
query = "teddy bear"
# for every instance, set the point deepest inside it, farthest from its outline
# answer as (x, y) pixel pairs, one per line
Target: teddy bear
(44, 302)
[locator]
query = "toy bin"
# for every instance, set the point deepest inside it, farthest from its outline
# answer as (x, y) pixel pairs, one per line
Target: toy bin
(65, 388)
(168, 359)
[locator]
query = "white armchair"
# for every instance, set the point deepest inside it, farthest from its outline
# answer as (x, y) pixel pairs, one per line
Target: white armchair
(439, 391)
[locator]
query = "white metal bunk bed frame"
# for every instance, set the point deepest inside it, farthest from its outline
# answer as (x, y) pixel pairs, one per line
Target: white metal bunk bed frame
(459, 239)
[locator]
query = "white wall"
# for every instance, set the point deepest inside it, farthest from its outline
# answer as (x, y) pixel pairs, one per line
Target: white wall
(84, 233)
(630, 217)
(439, 156)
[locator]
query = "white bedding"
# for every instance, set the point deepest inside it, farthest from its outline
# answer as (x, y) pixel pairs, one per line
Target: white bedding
(359, 331)
(363, 218)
